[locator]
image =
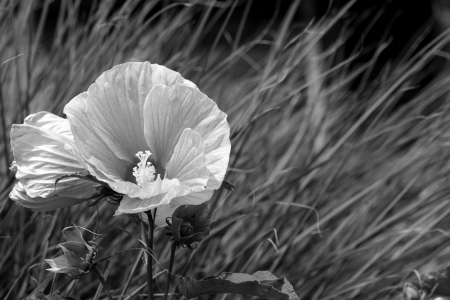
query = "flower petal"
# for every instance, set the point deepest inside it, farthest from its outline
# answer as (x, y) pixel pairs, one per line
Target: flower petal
(170, 110)
(51, 122)
(187, 163)
(107, 120)
(186, 174)
(41, 157)
(100, 159)
(130, 205)
(19, 195)
(148, 189)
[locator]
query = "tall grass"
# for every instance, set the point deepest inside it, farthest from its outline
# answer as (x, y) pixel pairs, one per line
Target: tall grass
(338, 187)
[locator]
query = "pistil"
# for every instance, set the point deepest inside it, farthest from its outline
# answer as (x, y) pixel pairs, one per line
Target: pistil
(144, 171)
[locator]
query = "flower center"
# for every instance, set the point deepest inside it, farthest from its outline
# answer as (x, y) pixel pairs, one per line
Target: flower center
(145, 171)
(186, 229)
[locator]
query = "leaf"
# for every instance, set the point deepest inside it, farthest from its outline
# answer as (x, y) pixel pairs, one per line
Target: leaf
(73, 233)
(228, 186)
(261, 284)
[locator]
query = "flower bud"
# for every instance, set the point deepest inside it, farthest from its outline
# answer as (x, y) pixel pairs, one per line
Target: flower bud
(78, 255)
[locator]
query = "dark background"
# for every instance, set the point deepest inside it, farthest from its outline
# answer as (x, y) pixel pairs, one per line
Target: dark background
(398, 21)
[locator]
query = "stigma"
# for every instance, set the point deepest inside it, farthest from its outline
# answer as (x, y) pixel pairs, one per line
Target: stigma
(144, 171)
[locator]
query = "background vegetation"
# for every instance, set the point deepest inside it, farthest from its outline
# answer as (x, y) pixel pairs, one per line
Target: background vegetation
(340, 171)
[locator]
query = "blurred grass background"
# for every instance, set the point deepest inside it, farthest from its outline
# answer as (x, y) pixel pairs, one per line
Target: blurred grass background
(340, 165)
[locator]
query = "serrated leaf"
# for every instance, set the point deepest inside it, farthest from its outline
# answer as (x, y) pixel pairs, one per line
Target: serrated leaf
(261, 284)
(228, 186)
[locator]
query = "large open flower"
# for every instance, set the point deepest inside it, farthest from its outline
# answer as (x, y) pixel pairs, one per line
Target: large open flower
(43, 152)
(152, 136)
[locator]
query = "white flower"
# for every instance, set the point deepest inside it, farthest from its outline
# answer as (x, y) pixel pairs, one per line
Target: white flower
(152, 136)
(43, 152)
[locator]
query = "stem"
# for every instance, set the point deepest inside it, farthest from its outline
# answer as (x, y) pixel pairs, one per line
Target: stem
(169, 274)
(102, 280)
(151, 223)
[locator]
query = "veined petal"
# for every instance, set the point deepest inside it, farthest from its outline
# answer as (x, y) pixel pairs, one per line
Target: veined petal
(130, 205)
(51, 122)
(186, 174)
(148, 189)
(107, 120)
(170, 110)
(100, 159)
(19, 195)
(41, 157)
(187, 163)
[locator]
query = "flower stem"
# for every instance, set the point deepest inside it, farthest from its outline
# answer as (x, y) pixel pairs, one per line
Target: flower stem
(151, 227)
(102, 280)
(169, 273)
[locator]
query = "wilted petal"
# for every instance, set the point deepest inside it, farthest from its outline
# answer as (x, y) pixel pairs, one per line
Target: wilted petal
(51, 122)
(41, 158)
(170, 110)
(107, 120)
(19, 195)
